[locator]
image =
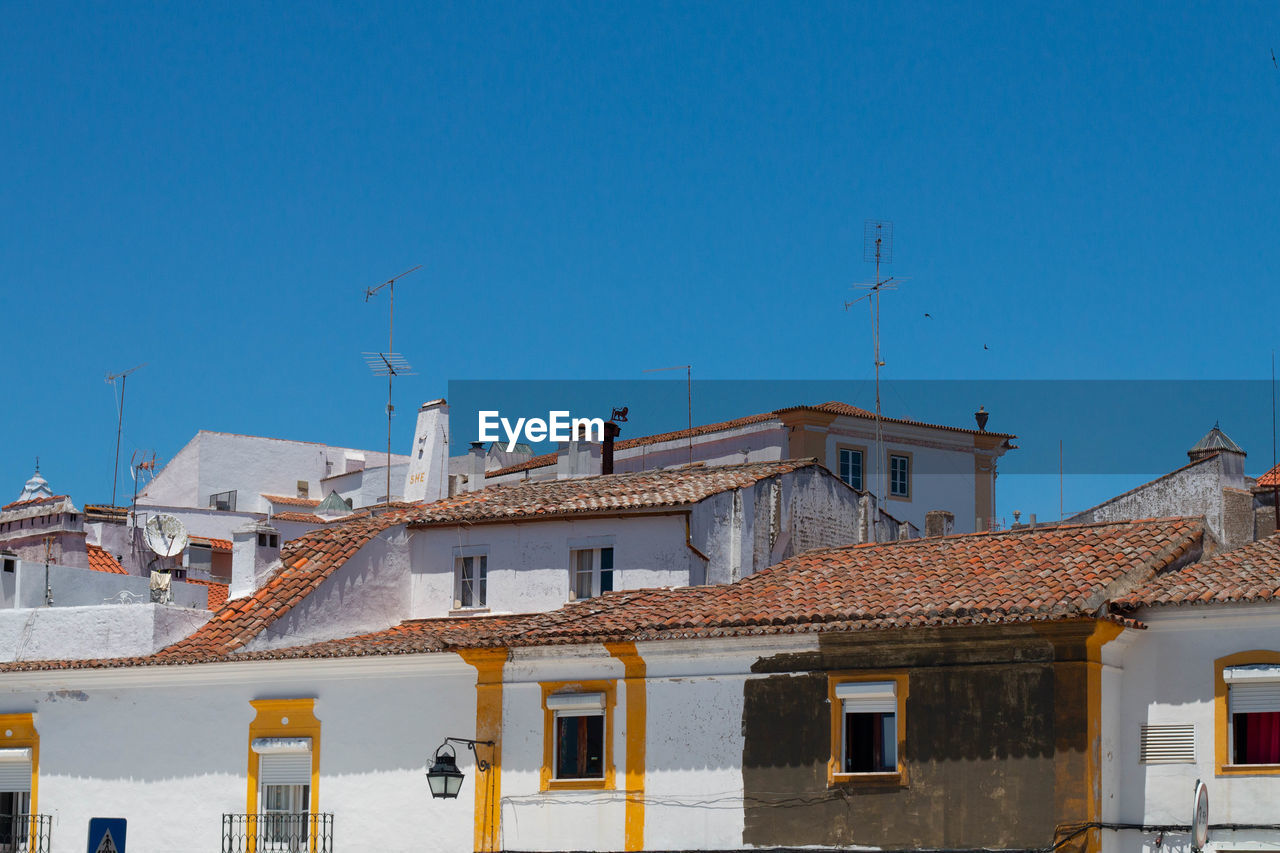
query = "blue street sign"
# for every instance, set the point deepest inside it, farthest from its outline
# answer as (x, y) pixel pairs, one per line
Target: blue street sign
(106, 834)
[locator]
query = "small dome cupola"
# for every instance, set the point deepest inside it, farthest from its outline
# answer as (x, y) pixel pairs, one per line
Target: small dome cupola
(36, 488)
(1215, 441)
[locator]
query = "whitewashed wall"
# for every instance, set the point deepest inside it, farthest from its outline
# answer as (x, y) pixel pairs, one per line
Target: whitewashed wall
(1168, 677)
(167, 748)
(214, 462)
(528, 563)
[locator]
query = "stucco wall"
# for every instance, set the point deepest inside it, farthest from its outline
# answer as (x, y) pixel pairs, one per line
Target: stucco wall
(168, 749)
(1168, 677)
(70, 633)
(528, 563)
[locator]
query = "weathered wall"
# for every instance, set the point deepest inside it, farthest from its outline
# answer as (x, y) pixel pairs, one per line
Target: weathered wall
(76, 587)
(989, 722)
(528, 563)
(70, 633)
(1196, 489)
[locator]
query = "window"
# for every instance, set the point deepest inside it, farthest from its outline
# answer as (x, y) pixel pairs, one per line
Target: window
(1252, 721)
(224, 501)
(10, 564)
(850, 464)
(200, 558)
(592, 570)
(899, 475)
(15, 810)
(867, 727)
(19, 763)
(470, 575)
(578, 751)
(284, 786)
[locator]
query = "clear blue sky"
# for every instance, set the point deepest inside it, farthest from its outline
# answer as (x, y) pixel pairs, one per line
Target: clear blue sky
(1090, 190)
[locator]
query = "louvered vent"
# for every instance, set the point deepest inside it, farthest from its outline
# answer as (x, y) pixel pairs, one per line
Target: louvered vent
(1168, 743)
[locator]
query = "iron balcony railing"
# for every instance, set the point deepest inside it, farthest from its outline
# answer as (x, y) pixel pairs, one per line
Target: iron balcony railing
(277, 833)
(26, 833)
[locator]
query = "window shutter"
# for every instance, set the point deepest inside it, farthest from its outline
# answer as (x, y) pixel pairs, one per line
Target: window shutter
(575, 702)
(15, 770)
(1168, 743)
(867, 697)
(284, 768)
(1255, 697)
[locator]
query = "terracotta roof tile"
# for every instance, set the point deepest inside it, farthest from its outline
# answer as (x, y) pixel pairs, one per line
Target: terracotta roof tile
(1029, 575)
(215, 544)
(101, 561)
(1248, 573)
(285, 500)
(217, 592)
(307, 517)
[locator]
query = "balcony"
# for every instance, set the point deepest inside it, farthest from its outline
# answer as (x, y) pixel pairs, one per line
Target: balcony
(276, 833)
(25, 833)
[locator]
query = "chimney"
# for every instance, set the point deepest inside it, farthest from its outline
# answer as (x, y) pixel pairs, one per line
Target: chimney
(578, 459)
(475, 473)
(611, 431)
(255, 549)
(938, 522)
(426, 479)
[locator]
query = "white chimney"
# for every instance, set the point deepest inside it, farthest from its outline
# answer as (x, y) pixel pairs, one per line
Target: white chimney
(475, 473)
(429, 457)
(255, 550)
(579, 459)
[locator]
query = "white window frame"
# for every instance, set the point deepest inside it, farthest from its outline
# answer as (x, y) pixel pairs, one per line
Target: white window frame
(479, 580)
(597, 558)
(868, 697)
(906, 479)
(572, 705)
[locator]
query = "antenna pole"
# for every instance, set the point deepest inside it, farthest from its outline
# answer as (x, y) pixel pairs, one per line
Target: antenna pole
(124, 378)
(48, 590)
(390, 284)
(688, 378)
(1061, 512)
(1275, 486)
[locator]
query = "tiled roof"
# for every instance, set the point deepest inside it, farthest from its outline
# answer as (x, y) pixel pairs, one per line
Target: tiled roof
(1215, 439)
(633, 490)
(986, 578)
(34, 502)
(1248, 573)
(1270, 479)
(284, 500)
(1029, 575)
(308, 517)
(101, 561)
(215, 544)
(217, 592)
(833, 407)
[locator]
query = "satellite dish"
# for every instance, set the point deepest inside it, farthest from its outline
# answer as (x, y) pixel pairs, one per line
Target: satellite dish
(166, 535)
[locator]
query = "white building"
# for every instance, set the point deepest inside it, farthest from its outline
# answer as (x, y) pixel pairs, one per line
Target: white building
(920, 467)
(928, 693)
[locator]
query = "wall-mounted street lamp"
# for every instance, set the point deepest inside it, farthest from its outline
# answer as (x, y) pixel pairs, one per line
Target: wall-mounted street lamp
(444, 777)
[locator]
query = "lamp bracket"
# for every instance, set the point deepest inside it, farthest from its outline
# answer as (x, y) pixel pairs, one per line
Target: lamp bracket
(481, 764)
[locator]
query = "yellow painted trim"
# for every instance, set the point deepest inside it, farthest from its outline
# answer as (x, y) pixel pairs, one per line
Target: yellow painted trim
(634, 673)
(23, 727)
(489, 664)
(900, 690)
(270, 722)
(1103, 633)
(1221, 720)
(546, 781)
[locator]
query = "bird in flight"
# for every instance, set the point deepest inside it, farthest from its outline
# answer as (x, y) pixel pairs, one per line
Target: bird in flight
(1273, 58)
(984, 346)
(927, 314)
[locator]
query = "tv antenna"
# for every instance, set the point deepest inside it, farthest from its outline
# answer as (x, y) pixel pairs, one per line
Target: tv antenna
(389, 364)
(877, 248)
(688, 378)
(123, 376)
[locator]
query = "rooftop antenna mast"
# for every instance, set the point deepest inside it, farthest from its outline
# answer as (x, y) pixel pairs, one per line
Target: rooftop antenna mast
(877, 248)
(688, 378)
(389, 364)
(123, 376)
